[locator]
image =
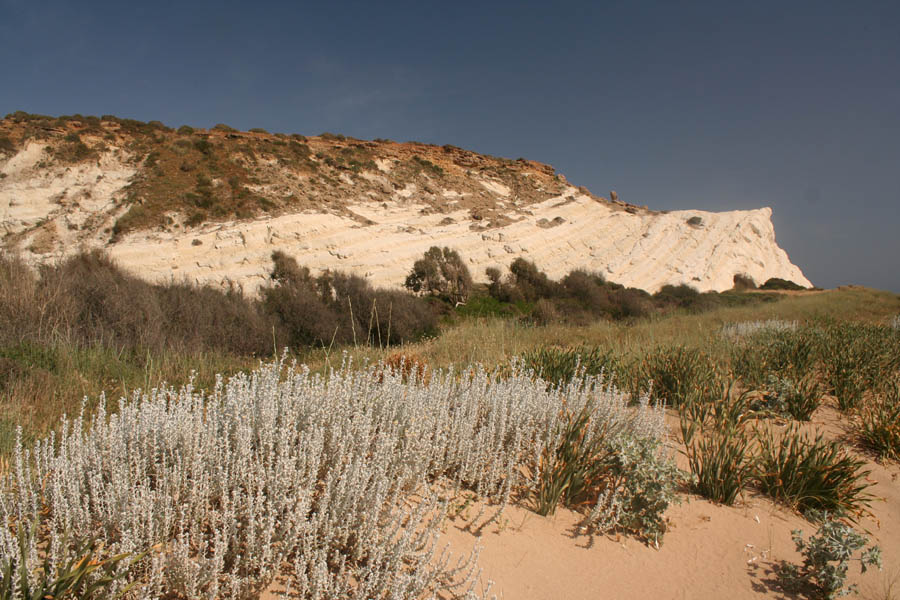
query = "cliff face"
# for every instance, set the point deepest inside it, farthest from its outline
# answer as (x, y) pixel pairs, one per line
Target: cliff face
(213, 205)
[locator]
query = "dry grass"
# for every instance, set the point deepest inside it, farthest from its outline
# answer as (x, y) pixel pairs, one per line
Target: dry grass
(493, 341)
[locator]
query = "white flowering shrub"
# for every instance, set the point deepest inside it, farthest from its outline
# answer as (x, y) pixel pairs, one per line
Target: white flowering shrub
(743, 329)
(331, 487)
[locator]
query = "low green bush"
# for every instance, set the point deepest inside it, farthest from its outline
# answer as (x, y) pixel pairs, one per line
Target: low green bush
(641, 486)
(776, 283)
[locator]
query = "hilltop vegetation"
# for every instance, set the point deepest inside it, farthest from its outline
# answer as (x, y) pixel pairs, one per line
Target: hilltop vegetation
(191, 175)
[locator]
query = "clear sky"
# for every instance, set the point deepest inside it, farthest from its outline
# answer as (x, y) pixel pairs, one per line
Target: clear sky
(708, 105)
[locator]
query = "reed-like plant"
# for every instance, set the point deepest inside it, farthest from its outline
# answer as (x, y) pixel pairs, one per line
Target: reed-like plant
(596, 459)
(560, 365)
(877, 422)
(787, 350)
(857, 357)
(810, 473)
(574, 465)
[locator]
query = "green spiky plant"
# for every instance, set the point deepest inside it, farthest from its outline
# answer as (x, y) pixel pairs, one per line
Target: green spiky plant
(574, 466)
(811, 473)
(677, 372)
(789, 396)
(560, 365)
(717, 444)
(877, 422)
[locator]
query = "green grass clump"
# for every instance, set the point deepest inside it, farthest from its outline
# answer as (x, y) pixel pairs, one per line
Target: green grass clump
(480, 305)
(560, 365)
(811, 474)
(676, 373)
(718, 445)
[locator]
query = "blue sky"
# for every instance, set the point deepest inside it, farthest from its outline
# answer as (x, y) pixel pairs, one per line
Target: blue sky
(708, 105)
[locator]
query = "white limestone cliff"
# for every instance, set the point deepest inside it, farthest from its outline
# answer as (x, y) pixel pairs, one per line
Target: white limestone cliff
(48, 213)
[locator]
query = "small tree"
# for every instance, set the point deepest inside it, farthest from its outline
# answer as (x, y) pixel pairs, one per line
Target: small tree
(442, 273)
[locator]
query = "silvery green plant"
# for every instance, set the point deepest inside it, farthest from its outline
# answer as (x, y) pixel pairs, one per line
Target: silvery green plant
(826, 559)
(330, 486)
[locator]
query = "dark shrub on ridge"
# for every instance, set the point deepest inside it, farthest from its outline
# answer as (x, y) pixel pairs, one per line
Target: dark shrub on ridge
(530, 282)
(441, 272)
(776, 283)
(338, 308)
(89, 300)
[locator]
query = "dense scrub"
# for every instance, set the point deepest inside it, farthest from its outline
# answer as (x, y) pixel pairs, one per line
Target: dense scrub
(441, 272)
(584, 296)
(87, 300)
(84, 327)
(336, 308)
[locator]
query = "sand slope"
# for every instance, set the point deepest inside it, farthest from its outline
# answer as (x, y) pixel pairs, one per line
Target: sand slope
(711, 552)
